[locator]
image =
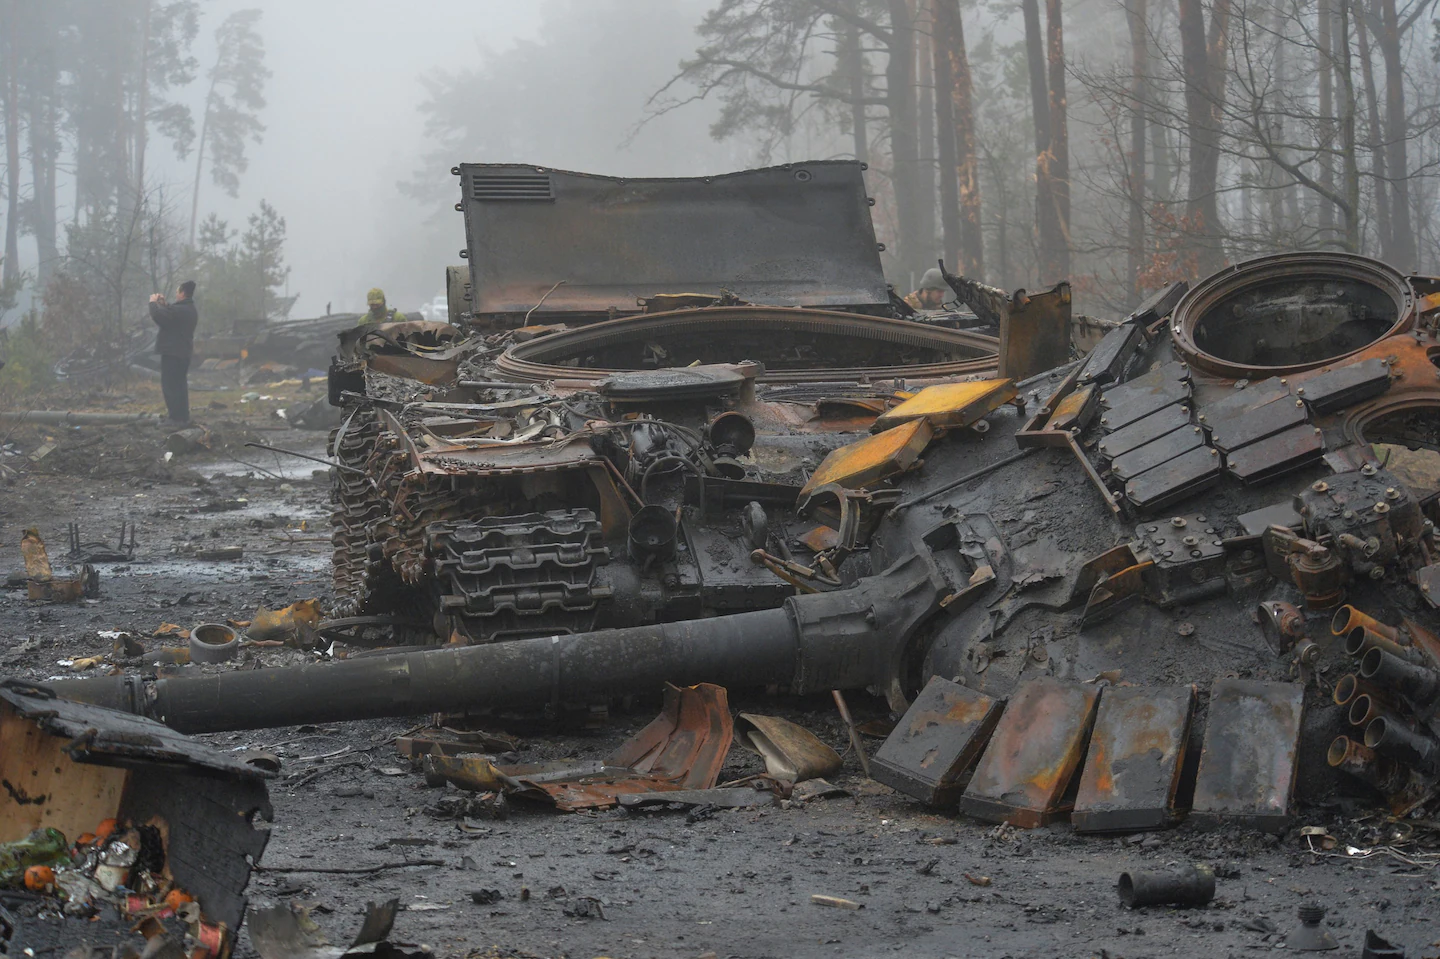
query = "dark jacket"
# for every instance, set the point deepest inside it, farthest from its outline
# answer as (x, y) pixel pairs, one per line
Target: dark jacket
(177, 327)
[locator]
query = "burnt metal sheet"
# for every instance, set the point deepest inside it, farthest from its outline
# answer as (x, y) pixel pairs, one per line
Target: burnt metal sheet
(1247, 766)
(1107, 360)
(1157, 379)
(538, 456)
(682, 748)
(1158, 451)
(936, 742)
(1428, 579)
(1257, 521)
(1033, 755)
(681, 383)
(1141, 403)
(1144, 430)
(1172, 481)
(794, 235)
(1276, 455)
(1242, 400)
(1035, 332)
(1279, 414)
(1345, 386)
(111, 737)
(1137, 752)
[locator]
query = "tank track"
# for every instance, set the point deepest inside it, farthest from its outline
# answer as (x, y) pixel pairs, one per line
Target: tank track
(529, 574)
(356, 506)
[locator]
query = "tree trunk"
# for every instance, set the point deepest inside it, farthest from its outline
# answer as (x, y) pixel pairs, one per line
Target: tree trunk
(1139, 95)
(852, 63)
(1203, 64)
(1059, 141)
(1326, 43)
(925, 130)
(1349, 165)
(142, 108)
(904, 150)
(41, 116)
(10, 271)
(967, 161)
(1374, 136)
(1047, 229)
(940, 43)
(1403, 253)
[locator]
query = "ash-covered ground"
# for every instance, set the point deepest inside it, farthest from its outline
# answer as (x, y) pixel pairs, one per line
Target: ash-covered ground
(668, 883)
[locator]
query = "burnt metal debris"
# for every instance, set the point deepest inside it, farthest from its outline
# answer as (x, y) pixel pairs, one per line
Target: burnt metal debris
(593, 484)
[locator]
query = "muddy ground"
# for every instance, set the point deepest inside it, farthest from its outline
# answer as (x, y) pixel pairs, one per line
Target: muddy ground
(668, 883)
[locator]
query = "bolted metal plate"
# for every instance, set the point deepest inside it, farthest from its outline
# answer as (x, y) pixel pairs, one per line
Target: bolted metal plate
(1428, 579)
(1137, 752)
(1107, 360)
(1172, 481)
(1033, 755)
(1242, 400)
(1076, 410)
(670, 384)
(874, 458)
(936, 741)
(949, 405)
(1279, 414)
(1247, 766)
(1276, 455)
(1345, 386)
(1141, 403)
(1144, 430)
(1158, 451)
(1157, 379)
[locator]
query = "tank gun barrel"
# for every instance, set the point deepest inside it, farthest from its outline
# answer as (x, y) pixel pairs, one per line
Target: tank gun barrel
(816, 642)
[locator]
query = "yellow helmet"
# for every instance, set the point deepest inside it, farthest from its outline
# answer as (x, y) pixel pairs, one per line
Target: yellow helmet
(376, 295)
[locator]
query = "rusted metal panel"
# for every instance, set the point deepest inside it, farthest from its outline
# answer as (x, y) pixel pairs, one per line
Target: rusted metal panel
(1173, 481)
(1248, 763)
(797, 235)
(1121, 411)
(1035, 332)
(1144, 430)
(1275, 455)
(1158, 451)
(1076, 411)
(936, 741)
(949, 405)
(1136, 755)
(874, 458)
(1345, 385)
(1231, 433)
(1146, 383)
(1033, 755)
(429, 370)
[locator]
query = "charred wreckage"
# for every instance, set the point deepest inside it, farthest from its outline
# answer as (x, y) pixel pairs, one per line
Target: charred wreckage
(700, 441)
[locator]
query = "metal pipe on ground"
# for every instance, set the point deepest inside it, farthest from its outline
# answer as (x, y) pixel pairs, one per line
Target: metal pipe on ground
(1354, 757)
(1186, 886)
(74, 418)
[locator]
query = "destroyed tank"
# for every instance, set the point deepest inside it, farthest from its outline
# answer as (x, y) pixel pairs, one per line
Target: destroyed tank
(1194, 571)
(619, 418)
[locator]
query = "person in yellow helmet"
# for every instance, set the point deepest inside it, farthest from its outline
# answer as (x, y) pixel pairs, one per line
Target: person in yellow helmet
(375, 299)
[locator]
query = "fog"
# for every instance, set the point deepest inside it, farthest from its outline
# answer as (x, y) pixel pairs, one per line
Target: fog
(344, 127)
